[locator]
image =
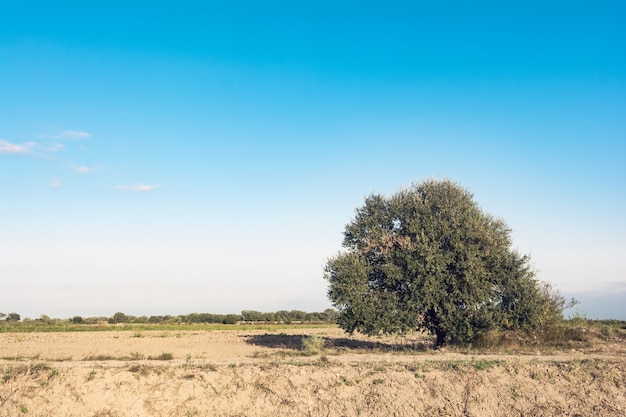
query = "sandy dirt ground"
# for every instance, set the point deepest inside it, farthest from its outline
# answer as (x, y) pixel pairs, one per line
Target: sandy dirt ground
(271, 373)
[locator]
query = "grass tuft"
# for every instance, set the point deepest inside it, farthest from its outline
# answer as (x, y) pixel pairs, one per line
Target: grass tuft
(165, 356)
(313, 345)
(484, 364)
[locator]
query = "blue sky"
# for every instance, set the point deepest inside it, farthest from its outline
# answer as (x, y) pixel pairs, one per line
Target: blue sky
(169, 157)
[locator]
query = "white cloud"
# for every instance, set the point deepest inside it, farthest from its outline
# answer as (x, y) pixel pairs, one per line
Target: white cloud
(81, 169)
(141, 187)
(13, 148)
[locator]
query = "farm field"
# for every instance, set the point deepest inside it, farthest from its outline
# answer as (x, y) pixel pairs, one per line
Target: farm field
(299, 372)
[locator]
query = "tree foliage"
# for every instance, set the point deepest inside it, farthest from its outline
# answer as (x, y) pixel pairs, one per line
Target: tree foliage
(428, 258)
(13, 317)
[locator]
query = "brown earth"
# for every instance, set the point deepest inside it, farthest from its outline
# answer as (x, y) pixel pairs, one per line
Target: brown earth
(260, 373)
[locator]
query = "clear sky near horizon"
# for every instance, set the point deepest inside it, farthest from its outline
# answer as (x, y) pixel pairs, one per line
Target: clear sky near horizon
(169, 157)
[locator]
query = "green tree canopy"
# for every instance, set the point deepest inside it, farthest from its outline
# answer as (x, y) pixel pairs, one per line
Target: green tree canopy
(428, 258)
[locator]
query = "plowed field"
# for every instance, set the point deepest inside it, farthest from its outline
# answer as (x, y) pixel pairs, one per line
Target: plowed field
(276, 373)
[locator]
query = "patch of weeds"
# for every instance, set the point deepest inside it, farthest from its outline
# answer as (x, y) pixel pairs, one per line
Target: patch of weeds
(91, 375)
(100, 357)
(23, 370)
(551, 336)
(23, 409)
(450, 365)
(165, 356)
(296, 362)
(607, 329)
(484, 364)
(578, 318)
(324, 359)
(105, 413)
(52, 373)
(347, 381)
(136, 368)
(561, 336)
(313, 345)
(199, 366)
(378, 381)
(144, 369)
(261, 355)
(410, 367)
(138, 334)
(262, 387)
(269, 365)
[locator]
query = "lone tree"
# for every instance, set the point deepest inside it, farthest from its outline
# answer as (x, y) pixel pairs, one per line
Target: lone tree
(428, 258)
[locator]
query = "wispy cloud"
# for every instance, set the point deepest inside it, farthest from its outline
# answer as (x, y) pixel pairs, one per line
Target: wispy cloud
(75, 134)
(14, 148)
(42, 148)
(51, 147)
(55, 183)
(140, 187)
(68, 134)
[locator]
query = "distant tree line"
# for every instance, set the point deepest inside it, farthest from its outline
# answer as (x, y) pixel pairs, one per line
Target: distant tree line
(246, 316)
(10, 317)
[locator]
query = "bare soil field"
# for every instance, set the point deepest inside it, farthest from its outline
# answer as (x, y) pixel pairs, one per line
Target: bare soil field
(298, 372)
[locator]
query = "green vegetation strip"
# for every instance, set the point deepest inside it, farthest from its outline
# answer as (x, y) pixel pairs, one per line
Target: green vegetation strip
(65, 327)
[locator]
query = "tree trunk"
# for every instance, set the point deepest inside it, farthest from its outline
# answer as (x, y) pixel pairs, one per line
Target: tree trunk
(441, 339)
